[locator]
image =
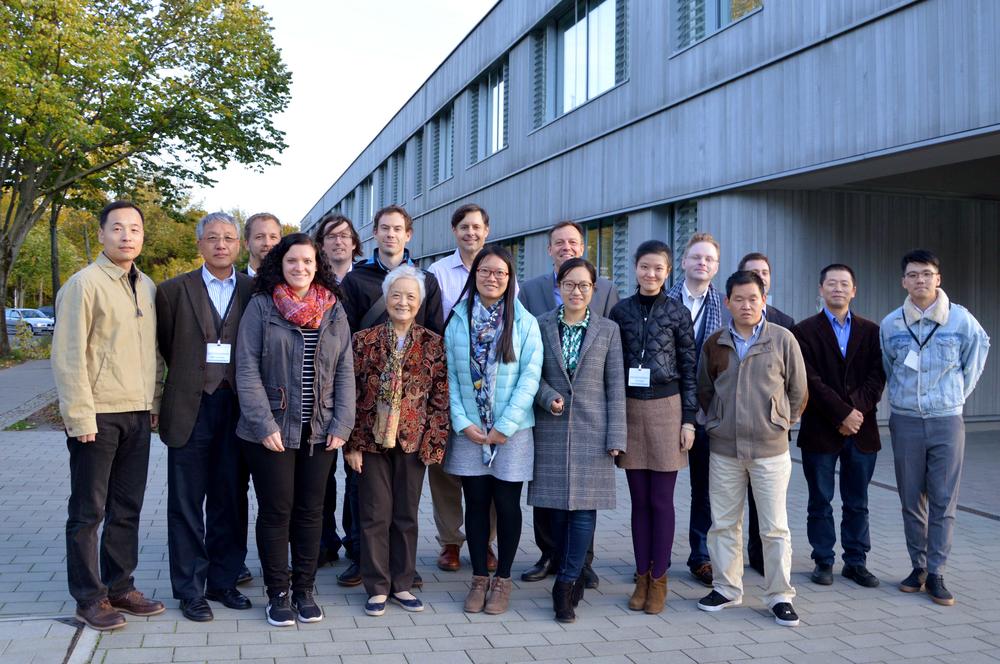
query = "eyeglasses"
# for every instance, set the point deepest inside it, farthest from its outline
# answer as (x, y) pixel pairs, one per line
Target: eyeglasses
(708, 259)
(583, 286)
(343, 237)
(926, 274)
(485, 273)
(228, 239)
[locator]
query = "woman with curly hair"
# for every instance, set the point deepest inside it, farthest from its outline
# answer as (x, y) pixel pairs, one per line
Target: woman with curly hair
(295, 380)
(402, 427)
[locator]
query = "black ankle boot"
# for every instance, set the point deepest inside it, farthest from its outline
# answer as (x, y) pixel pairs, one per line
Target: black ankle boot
(578, 587)
(562, 601)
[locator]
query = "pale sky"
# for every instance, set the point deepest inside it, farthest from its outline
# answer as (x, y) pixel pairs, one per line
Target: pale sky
(354, 63)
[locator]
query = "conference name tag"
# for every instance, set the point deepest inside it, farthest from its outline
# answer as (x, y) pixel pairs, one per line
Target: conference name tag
(218, 353)
(912, 360)
(638, 377)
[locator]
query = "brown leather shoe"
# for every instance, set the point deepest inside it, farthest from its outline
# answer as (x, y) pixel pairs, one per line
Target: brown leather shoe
(657, 595)
(100, 615)
(703, 573)
(638, 599)
(135, 603)
(448, 560)
(499, 598)
(476, 599)
(491, 560)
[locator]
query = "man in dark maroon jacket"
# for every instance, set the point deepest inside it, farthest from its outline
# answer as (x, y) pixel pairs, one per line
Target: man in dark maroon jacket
(844, 367)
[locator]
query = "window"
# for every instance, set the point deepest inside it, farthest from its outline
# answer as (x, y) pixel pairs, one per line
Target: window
(601, 247)
(366, 202)
(580, 55)
(383, 185)
(685, 224)
(488, 109)
(442, 146)
(696, 19)
(516, 248)
(418, 163)
(397, 166)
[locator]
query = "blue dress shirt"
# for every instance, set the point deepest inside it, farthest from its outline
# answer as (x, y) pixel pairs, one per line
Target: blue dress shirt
(842, 332)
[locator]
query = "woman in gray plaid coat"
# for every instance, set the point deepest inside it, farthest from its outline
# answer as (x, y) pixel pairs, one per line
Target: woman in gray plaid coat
(579, 426)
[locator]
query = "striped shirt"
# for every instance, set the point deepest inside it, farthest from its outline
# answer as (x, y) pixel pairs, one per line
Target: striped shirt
(310, 336)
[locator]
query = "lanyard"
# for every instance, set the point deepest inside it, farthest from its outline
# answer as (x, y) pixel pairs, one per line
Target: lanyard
(222, 319)
(920, 345)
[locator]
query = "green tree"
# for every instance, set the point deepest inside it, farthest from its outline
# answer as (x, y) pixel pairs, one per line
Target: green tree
(30, 274)
(162, 91)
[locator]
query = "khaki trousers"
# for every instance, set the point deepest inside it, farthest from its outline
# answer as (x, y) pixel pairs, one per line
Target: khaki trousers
(446, 498)
(728, 477)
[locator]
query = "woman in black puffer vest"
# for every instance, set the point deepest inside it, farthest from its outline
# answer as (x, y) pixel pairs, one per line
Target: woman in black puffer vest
(658, 348)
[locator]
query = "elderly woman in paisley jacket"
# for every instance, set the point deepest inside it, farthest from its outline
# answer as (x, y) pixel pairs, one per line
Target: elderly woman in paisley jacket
(402, 427)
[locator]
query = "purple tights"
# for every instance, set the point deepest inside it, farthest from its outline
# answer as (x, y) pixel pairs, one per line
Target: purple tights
(652, 519)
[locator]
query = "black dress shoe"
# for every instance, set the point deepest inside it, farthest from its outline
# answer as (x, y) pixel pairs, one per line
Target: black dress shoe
(539, 571)
(231, 598)
(822, 574)
(351, 576)
(590, 578)
(244, 577)
(196, 609)
(860, 575)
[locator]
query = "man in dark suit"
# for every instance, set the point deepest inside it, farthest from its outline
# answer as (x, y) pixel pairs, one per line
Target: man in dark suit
(843, 360)
(760, 265)
(198, 315)
(538, 295)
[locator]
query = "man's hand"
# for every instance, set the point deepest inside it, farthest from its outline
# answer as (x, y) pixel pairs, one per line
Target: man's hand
(852, 423)
(475, 434)
(87, 438)
(334, 442)
(154, 420)
(273, 442)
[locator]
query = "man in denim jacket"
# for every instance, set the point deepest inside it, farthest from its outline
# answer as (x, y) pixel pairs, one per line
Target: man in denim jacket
(934, 351)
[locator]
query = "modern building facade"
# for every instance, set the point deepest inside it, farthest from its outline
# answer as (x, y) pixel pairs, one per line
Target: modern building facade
(814, 131)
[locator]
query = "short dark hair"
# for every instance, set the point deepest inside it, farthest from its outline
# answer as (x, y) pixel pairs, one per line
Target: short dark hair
(120, 205)
(564, 224)
(331, 220)
(742, 278)
(654, 247)
(254, 218)
(459, 214)
(837, 266)
(753, 256)
(574, 263)
(920, 256)
(389, 209)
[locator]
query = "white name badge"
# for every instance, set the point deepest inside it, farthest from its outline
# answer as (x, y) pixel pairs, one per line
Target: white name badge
(912, 360)
(638, 377)
(218, 353)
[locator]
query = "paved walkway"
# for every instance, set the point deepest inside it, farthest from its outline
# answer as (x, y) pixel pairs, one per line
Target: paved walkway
(25, 388)
(840, 623)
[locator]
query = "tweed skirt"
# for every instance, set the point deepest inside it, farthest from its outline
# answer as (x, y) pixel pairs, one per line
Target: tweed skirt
(654, 435)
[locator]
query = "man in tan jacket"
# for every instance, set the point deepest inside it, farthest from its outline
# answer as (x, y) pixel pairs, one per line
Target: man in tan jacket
(105, 363)
(752, 388)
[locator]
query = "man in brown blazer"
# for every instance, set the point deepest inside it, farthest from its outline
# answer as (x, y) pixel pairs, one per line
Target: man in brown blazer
(844, 369)
(198, 316)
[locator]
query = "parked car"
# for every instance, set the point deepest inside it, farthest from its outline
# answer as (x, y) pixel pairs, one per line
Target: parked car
(48, 310)
(40, 323)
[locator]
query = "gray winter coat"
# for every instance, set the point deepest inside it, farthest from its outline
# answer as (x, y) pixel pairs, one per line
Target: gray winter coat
(269, 354)
(573, 469)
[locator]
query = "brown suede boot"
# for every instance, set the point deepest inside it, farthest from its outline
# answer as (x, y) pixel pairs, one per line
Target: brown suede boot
(499, 597)
(476, 598)
(638, 599)
(657, 595)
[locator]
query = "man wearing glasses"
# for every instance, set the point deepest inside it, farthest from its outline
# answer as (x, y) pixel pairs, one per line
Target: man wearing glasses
(340, 243)
(696, 292)
(933, 352)
(538, 295)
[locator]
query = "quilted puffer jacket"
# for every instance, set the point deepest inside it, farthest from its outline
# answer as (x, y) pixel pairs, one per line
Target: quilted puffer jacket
(668, 336)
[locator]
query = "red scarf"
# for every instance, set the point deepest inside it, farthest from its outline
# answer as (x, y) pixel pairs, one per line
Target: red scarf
(303, 311)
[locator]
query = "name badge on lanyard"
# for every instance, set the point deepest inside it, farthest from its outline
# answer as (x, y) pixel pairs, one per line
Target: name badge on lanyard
(218, 353)
(638, 377)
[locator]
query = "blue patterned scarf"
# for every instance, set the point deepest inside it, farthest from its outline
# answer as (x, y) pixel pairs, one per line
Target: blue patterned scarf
(484, 332)
(713, 307)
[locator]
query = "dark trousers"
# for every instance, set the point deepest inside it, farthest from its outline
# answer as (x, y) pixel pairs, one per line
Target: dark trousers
(547, 534)
(350, 516)
(701, 508)
(389, 488)
(856, 470)
(755, 548)
(107, 483)
(290, 488)
(330, 539)
(207, 501)
(574, 533)
(482, 492)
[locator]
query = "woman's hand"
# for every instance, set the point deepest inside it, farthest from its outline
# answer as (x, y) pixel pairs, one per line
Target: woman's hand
(475, 434)
(354, 460)
(687, 439)
(496, 437)
(334, 442)
(273, 442)
(557, 405)
(614, 453)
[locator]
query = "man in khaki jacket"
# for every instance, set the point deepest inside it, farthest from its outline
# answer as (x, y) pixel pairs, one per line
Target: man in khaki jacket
(105, 363)
(752, 388)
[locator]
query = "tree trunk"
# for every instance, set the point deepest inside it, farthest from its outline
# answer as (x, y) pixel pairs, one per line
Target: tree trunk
(5, 264)
(54, 246)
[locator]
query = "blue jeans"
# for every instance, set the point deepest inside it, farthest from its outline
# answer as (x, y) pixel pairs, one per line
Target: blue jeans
(856, 469)
(573, 532)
